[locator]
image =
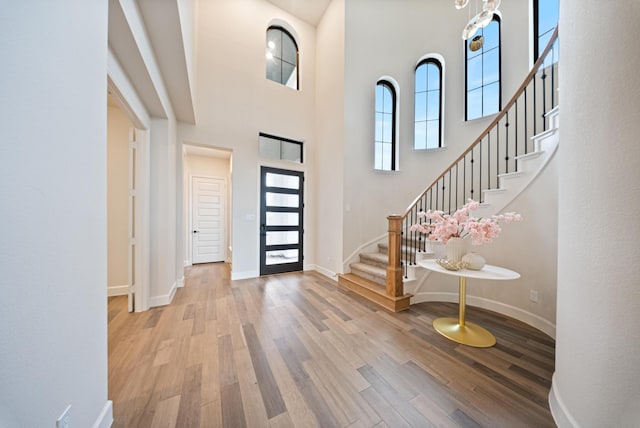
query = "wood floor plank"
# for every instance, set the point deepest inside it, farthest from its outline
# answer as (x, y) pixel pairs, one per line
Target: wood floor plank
(166, 413)
(269, 390)
(189, 410)
(252, 403)
(211, 415)
(232, 409)
(293, 350)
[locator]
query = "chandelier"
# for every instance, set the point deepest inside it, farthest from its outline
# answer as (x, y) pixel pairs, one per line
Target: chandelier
(481, 20)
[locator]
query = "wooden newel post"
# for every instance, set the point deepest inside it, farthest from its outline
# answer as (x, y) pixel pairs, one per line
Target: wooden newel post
(394, 269)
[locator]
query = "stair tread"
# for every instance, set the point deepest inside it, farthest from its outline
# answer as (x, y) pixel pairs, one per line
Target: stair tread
(371, 269)
(381, 257)
(510, 174)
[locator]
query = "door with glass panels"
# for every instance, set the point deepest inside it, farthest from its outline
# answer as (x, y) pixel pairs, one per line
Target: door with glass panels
(281, 225)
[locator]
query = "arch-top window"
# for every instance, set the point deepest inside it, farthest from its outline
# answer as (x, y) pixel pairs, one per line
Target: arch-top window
(428, 105)
(385, 131)
(282, 57)
(482, 61)
(545, 20)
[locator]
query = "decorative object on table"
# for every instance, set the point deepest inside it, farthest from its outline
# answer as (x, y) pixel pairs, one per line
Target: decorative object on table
(452, 264)
(473, 261)
(455, 248)
(442, 227)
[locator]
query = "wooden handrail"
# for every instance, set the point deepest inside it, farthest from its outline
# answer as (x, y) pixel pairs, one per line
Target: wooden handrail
(500, 116)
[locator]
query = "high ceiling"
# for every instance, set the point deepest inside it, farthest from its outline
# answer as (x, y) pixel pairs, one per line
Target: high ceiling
(146, 38)
(310, 11)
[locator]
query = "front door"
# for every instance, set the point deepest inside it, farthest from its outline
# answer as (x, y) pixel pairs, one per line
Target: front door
(208, 211)
(281, 225)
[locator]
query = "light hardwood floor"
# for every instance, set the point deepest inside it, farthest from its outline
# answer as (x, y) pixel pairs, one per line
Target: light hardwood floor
(292, 350)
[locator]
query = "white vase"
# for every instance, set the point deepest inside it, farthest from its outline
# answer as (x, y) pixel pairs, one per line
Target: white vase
(473, 261)
(455, 248)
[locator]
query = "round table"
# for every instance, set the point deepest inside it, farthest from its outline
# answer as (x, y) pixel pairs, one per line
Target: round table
(459, 330)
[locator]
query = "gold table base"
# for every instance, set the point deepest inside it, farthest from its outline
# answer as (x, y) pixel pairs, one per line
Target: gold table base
(461, 331)
(468, 334)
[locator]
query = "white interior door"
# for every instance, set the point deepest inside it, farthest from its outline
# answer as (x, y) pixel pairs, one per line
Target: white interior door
(208, 216)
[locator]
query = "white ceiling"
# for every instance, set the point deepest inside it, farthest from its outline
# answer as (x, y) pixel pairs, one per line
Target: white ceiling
(310, 11)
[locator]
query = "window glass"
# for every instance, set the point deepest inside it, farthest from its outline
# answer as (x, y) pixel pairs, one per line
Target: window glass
(546, 19)
(272, 147)
(428, 105)
(385, 116)
(282, 57)
(483, 73)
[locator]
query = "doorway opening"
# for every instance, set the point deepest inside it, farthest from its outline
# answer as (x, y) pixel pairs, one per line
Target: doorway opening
(127, 203)
(206, 204)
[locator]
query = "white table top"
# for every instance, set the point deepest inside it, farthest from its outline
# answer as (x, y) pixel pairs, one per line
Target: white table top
(487, 272)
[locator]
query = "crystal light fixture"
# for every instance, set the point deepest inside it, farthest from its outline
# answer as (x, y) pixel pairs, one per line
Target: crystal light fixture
(481, 20)
(491, 5)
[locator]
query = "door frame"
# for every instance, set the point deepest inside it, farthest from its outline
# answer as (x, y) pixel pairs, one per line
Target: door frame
(189, 215)
(141, 222)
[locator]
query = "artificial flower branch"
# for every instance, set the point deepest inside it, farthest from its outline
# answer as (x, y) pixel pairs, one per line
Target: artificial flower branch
(442, 227)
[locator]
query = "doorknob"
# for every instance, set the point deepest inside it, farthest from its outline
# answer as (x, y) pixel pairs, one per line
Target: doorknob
(196, 231)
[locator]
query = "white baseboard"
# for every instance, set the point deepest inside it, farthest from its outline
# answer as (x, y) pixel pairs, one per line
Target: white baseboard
(180, 282)
(105, 419)
(186, 263)
(118, 290)
(559, 411)
(501, 308)
(326, 272)
(244, 275)
(164, 299)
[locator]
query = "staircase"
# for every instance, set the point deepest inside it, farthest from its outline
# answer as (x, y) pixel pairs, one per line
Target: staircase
(495, 169)
(368, 277)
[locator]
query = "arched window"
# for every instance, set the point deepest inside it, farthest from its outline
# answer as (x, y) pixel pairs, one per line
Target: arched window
(282, 57)
(482, 70)
(428, 105)
(385, 131)
(545, 20)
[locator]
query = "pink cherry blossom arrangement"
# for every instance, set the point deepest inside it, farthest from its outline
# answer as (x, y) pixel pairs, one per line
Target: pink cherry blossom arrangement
(461, 224)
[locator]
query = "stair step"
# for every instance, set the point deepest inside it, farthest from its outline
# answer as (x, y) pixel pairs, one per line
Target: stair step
(373, 292)
(530, 155)
(370, 272)
(375, 259)
(384, 248)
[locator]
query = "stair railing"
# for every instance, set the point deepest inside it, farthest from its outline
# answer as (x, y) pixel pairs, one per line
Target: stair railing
(478, 168)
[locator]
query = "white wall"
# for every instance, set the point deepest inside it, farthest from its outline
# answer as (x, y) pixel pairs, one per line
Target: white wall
(329, 150)
(118, 126)
(235, 102)
(597, 381)
(387, 38)
(204, 167)
(53, 251)
(164, 227)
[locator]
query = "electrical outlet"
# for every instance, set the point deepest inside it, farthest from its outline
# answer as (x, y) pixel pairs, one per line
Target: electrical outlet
(533, 296)
(64, 421)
